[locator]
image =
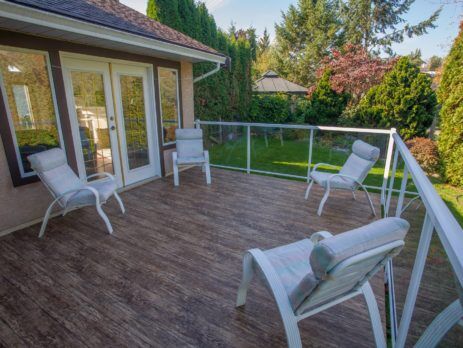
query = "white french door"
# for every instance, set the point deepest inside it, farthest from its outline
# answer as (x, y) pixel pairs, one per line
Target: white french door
(112, 119)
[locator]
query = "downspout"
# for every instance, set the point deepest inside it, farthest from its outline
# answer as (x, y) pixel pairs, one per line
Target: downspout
(203, 76)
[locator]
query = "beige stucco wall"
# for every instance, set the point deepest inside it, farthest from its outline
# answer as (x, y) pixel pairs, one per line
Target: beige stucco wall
(19, 205)
(187, 107)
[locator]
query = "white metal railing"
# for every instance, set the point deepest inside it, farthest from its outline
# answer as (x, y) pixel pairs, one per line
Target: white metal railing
(437, 218)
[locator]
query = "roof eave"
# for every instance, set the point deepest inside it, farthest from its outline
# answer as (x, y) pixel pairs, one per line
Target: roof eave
(46, 19)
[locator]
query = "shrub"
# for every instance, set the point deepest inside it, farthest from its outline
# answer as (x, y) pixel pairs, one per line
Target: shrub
(404, 100)
(270, 108)
(426, 154)
(324, 105)
(450, 92)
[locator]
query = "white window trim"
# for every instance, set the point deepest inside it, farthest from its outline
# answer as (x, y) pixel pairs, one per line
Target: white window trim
(8, 110)
(179, 119)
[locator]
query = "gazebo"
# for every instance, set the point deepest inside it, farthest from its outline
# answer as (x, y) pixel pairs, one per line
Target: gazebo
(271, 82)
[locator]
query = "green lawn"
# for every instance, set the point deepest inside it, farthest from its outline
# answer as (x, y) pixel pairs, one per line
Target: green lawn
(291, 157)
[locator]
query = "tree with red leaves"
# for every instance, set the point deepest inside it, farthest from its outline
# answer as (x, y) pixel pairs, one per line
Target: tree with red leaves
(354, 70)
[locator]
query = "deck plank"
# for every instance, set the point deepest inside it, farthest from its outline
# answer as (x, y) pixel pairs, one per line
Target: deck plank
(168, 275)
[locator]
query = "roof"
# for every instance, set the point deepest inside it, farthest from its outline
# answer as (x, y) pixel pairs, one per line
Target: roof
(271, 82)
(113, 14)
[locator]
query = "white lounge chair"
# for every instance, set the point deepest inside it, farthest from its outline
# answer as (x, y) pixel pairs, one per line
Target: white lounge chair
(190, 152)
(351, 175)
(312, 275)
(68, 190)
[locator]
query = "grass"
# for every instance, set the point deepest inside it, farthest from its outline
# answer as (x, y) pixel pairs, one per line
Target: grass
(291, 157)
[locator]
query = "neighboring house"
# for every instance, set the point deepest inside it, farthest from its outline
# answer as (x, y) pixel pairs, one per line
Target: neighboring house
(97, 78)
(270, 82)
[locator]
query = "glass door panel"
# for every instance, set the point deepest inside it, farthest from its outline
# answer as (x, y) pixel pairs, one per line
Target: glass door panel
(135, 122)
(133, 110)
(92, 117)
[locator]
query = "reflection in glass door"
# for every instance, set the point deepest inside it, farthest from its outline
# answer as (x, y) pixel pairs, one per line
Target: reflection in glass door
(92, 117)
(134, 122)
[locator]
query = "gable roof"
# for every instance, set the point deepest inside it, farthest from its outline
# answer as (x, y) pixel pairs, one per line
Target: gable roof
(270, 82)
(112, 14)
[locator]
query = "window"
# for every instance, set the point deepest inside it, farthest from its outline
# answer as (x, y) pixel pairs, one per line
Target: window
(29, 104)
(170, 113)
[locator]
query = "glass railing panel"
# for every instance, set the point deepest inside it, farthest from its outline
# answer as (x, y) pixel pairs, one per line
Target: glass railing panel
(226, 145)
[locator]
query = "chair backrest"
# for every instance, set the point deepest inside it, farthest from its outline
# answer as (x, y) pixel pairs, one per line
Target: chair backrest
(343, 263)
(360, 161)
(52, 168)
(189, 142)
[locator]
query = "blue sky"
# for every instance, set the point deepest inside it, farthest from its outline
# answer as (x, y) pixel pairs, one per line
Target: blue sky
(263, 14)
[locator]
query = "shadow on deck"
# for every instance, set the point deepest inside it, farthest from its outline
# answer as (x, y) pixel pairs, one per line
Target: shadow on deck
(168, 275)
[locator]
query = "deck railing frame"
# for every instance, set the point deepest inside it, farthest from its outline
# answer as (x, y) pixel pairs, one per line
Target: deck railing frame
(437, 218)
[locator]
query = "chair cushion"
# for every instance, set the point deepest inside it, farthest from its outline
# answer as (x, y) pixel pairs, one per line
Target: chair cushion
(47, 160)
(321, 178)
(330, 251)
(365, 150)
(60, 180)
(191, 160)
(188, 133)
(291, 263)
(189, 144)
(105, 189)
(356, 167)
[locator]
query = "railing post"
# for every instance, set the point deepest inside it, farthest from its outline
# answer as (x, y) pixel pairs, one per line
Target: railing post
(387, 165)
(403, 187)
(415, 280)
(309, 162)
(391, 182)
(248, 150)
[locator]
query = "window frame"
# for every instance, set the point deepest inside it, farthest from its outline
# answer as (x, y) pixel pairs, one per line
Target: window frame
(18, 174)
(179, 114)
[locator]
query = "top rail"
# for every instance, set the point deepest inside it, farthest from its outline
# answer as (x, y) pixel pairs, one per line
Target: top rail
(447, 227)
(296, 126)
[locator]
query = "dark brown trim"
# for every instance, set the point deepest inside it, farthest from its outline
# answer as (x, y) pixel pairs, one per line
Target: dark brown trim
(53, 47)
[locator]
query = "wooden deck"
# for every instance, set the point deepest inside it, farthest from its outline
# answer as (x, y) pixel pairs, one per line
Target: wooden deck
(168, 275)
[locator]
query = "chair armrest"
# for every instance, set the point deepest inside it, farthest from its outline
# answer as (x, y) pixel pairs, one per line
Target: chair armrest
(315, 167)
(102, 174)
(318, 236)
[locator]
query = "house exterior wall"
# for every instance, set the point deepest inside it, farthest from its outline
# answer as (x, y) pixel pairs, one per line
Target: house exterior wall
(188, 119)
(25, 203)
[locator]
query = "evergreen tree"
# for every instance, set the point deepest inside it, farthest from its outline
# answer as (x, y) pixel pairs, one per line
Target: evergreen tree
(415, 57)
(450, 93)
(435, 62)
(325, 105)
(304, 37)
(404, 100)
(377, 24)
(264, 42)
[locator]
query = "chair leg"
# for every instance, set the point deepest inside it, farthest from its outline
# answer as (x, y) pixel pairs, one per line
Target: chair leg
(208, 173)
(307, 192)
(322, 203)
(374, 315)
(248, 273)
(369, 200)
(45, 219)
(119, 200)
(104, 217)
(176, 181)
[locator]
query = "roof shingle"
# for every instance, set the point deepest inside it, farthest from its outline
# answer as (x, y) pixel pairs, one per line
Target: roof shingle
(113, 14)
